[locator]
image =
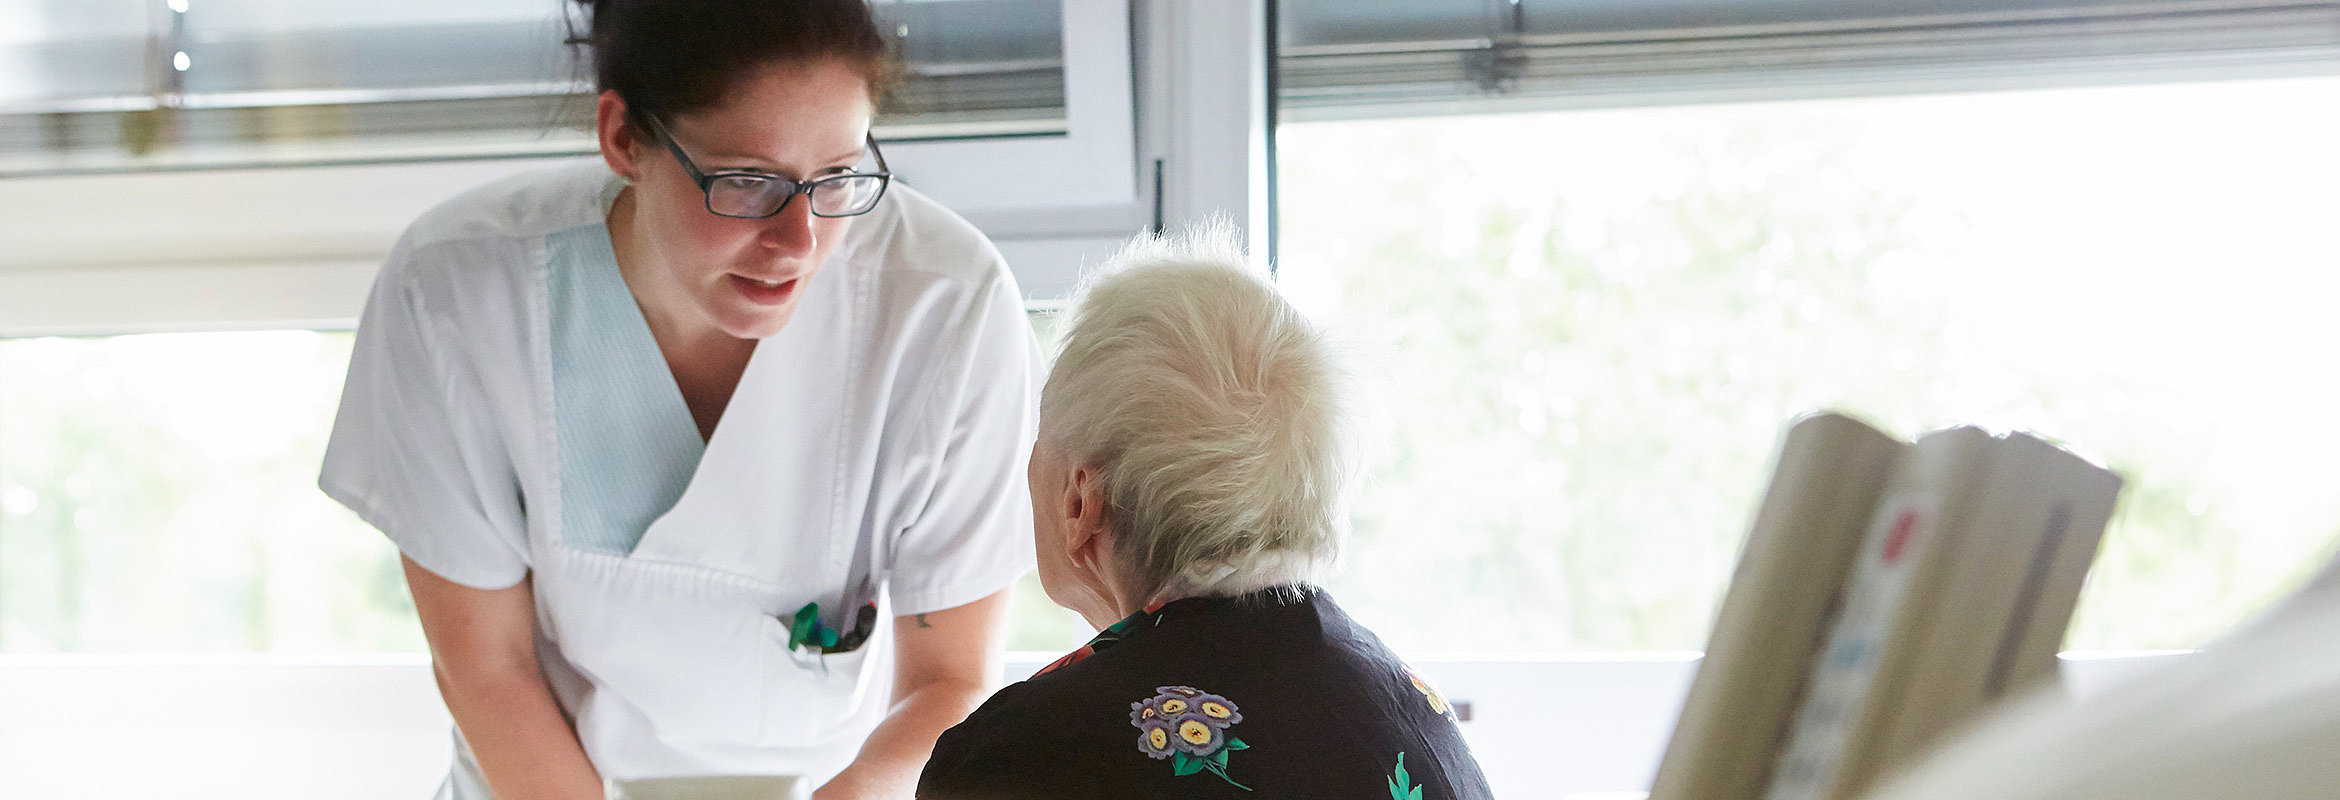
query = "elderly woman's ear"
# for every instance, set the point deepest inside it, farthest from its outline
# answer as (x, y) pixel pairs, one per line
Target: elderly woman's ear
(1073, 537)
(1088, 540)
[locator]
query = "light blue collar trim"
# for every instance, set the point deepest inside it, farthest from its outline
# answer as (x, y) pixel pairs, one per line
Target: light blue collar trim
(628, 445)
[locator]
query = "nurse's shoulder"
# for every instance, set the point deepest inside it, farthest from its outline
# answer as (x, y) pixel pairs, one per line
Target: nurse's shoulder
(911, 233)
(942, 290)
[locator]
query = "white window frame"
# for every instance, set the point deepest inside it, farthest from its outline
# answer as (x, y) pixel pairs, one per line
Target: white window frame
(205, 249)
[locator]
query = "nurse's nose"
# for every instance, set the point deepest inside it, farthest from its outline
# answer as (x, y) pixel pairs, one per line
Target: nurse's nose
(790, 232)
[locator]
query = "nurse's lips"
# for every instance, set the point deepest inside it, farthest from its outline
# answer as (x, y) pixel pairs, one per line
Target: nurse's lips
(764, 294)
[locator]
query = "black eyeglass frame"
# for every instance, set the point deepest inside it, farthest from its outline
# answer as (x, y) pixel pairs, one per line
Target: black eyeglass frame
(706, 180)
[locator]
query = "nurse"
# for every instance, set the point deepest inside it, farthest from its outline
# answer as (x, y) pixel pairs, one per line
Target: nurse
(702, 459)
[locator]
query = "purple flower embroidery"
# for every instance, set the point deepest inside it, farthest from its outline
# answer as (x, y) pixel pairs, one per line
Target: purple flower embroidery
(1145, 711)
(1189, 726)
(1218, 711)
(1196, 736)
(1173, 704)
(1154, 739)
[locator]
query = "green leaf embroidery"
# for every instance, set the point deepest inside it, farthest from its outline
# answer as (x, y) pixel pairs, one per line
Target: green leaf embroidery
(1188, 765)
(1399, 781)
(1221, 771)
(1220, 758)
(1237, 744)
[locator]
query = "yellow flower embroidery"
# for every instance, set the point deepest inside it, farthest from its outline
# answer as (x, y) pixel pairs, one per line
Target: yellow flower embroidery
(1194, 732)
(1173, 707)
(1437, 701)
(1216, 710)
(1159, 738)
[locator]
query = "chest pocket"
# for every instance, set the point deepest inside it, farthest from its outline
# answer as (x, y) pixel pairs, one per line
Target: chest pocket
(697, 653)
(808, 699)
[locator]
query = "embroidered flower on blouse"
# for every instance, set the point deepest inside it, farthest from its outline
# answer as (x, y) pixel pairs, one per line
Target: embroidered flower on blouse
(1198, 737)
(1154, 740)
(1437, 701)
(1217, 709)
(1189, 726)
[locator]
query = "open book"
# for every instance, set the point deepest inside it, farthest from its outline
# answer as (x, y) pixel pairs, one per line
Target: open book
(1887, 591)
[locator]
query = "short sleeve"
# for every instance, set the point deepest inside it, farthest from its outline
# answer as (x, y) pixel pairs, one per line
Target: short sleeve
(973, 535)
(414, 451)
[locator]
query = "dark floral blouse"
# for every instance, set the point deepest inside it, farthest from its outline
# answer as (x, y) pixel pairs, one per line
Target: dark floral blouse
(1274, 694)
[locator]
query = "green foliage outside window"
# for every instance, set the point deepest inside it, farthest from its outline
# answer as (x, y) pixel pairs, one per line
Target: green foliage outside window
(157, 494)
(1592, 327)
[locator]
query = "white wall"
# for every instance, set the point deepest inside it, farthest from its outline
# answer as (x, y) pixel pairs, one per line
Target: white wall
(372, 728)
(191, 727)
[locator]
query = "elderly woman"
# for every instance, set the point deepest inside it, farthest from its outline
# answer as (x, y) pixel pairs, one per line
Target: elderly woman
(1187, 492)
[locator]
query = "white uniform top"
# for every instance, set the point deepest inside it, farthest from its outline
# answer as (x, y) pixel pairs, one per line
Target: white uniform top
(873, 451)
(2256, 715)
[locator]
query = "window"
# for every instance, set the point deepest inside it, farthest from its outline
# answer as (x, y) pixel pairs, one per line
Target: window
(1596, 323)
(158, 495)
(207, 83)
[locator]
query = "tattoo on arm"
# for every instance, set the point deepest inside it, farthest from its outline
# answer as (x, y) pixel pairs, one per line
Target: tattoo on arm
(922, 621)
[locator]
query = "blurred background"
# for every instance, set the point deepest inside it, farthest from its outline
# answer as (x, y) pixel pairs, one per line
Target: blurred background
(1596, 254)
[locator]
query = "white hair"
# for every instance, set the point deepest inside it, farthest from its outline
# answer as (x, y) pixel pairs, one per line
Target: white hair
(1213, 414)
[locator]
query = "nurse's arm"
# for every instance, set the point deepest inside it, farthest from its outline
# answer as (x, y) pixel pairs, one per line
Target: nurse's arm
(483, 652)
(943, 671)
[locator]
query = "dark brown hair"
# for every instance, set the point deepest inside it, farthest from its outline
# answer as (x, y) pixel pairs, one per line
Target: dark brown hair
(679, 56)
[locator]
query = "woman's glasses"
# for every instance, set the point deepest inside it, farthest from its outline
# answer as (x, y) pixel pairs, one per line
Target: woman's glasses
(755, 195)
